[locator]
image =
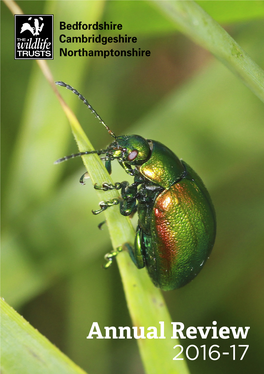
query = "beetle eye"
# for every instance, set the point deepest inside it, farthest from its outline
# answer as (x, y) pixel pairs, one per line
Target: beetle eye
(132, 155)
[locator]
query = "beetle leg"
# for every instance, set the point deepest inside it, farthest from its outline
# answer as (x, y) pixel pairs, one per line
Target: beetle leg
(129, 190)
(136, 252)
(108, 186)
(127, 167)
(104, 205)
(134, 211)
(128, 203)
(128, 208)
(101, 224)
(109, 256)
(84, 176)
(108, 165)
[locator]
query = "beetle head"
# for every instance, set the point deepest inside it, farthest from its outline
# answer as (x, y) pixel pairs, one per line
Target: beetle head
(132, 149)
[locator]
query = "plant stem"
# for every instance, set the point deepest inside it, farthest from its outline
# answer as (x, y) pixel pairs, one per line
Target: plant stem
(193, 21)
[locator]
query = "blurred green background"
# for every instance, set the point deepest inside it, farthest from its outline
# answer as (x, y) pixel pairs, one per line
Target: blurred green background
(52, 250)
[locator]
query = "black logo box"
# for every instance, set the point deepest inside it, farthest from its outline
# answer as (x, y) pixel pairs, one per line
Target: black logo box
(34, 47)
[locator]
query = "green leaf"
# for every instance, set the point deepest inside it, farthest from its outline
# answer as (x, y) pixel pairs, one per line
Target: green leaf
(150, 22)
(193, 21)
(24, 350)
(229, 11)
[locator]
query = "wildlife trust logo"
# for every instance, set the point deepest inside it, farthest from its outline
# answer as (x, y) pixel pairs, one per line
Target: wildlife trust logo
(34, 37)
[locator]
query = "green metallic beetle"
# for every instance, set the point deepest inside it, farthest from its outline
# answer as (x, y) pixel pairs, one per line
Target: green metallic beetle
(176, 218)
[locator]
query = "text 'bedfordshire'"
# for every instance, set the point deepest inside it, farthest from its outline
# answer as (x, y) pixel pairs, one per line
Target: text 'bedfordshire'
(84, 37)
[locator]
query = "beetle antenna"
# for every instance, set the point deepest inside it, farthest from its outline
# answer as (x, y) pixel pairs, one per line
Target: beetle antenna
(81, 97)
(99, 152)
